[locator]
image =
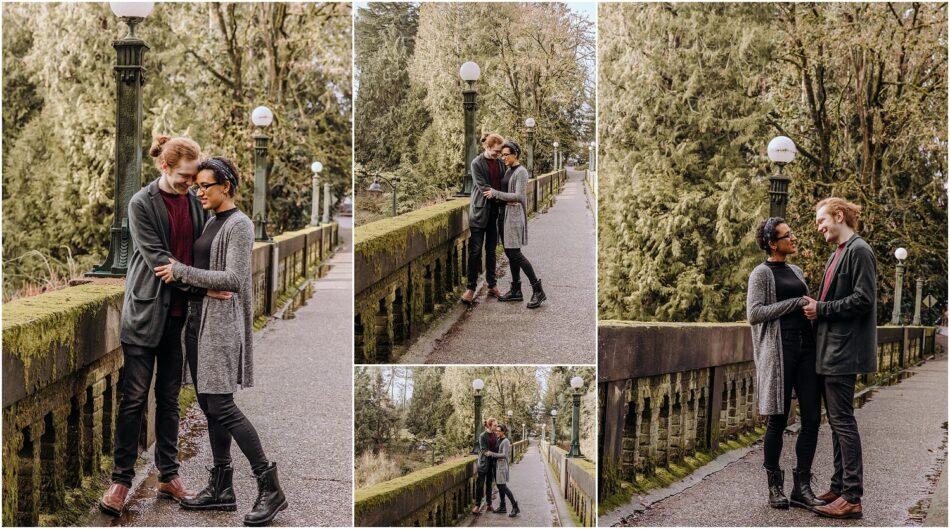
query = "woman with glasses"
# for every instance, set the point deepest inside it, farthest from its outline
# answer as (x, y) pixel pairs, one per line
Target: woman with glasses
(218, 340)
(514, 226)
(783, 343)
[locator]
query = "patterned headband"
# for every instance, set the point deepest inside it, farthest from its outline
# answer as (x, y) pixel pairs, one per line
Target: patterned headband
(221, 167)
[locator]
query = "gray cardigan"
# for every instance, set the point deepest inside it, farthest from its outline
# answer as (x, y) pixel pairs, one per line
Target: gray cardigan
(225, 335)
(502, 456)
(515, 227)
(763, 313)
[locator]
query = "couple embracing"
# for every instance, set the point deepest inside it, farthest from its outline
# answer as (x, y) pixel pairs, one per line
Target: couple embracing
(187, 317)
(816, 346)
(499, 208)
(495, 455)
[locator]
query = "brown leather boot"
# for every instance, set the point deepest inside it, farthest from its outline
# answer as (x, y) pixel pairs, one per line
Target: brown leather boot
(113, 501)
(829, 496)
(493, 292)
(468, 297)
(174, 490)
(841, 509)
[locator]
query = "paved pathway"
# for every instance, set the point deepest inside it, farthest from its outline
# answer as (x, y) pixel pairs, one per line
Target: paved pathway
(301, 406)
(904, 438)
(562, 250)
(529, 484)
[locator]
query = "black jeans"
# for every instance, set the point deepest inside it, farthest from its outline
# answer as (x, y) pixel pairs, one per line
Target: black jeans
(225, 419)
(848, 479)
(136, 379)
(519, 262)
(483, 485)
(503, 491)
(489, 236)
(798, 355)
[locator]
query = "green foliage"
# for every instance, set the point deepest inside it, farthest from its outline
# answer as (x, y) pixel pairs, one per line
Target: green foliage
(207, 67)
(536, 60)
(376, 417)
(691, 95)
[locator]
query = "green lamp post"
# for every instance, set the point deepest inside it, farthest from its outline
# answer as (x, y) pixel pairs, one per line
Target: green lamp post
(477, 385)
(781, 150)
(529, 148)
(261, 117)
(900, 254)
(469, 72)
(575, 451)
(554, 427)
(917, 299)
(129, 77)
(315, 167)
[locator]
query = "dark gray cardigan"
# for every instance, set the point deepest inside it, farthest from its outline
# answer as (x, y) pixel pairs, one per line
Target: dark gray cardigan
(477, 207)
(225, 336)
(147, 298)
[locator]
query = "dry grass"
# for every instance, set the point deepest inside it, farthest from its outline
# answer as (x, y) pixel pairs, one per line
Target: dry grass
(51, 274)
(375, 468)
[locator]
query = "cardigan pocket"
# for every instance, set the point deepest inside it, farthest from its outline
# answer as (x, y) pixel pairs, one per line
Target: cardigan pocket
(837, 353)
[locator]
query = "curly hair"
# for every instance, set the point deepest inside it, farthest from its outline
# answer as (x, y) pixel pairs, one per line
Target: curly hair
(766, 233)
(223, 171)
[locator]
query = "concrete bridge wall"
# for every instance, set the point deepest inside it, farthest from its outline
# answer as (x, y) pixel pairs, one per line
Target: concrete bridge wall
(576, 482)
(669, 391)
(409, 266)
(62, 363)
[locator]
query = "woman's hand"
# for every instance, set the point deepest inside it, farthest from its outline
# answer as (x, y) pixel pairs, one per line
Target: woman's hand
(164, 272)
(218, 294)
(489, 193)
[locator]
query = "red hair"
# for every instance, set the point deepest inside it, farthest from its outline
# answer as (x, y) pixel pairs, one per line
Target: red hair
(849, 210)
(169, 151)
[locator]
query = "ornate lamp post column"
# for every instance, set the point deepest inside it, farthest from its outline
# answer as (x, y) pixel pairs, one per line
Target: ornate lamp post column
(554, 427)
(917, 299)
(326, 202)
(129, 77)
(576, 383)
(900, 254)
(477, 385)
(556, 155)
(261, 117)
(469, 72)
(529, 128)
(316, 167)
(781, 150)
(524, 430)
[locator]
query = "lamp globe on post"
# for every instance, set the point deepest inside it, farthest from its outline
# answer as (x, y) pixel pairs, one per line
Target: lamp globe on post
(901, 255)
(469, 72)
(554, 427)
(315, 168)
(377, 189)
(576, 384)
(477, 385)
(529, 148)
(261, 117)
(556, 155)
(781, 150)
(127, 176)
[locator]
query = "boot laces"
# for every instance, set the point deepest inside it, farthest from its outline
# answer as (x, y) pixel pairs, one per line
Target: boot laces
(260, 492)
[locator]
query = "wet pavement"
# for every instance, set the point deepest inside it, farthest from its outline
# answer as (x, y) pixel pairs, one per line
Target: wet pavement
(903, 431)
(301, 407)
(561, 248)
(531, 489)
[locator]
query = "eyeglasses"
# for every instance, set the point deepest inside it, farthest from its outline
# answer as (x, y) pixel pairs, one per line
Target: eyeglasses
(786, 236)
(506, 154)
(203, 187)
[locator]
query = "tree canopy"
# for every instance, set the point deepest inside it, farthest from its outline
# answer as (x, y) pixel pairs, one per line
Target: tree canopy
(690, 96)
(207, 67)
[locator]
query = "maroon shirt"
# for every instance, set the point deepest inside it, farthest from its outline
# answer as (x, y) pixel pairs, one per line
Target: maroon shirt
(494, 175)
(181, 240)
(830, 272)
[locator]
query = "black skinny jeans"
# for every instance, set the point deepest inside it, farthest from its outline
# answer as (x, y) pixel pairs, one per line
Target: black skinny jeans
(798, 352)
(503, 491)
(225, 420)
(136, 379)
(489, 236)
(519, 262)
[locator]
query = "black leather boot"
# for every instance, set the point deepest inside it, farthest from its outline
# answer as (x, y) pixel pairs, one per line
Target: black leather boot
(514, 293)
(537, 296)
(802, 495)
(777, 497)
(514, 509)
(270, 498)
(217, 496)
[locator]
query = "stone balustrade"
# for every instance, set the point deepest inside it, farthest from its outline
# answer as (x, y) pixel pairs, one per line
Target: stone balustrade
(437, 496)
(576, 481)
(670, 391)
(411, 267)
(62, 363)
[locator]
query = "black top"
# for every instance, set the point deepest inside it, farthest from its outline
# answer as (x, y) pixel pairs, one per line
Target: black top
(787, 286)
(202, 249)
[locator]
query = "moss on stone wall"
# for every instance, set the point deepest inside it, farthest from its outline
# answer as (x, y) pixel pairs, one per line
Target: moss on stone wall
(440, 476)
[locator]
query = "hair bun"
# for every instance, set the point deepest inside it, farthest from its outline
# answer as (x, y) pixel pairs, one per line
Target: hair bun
(156, 149)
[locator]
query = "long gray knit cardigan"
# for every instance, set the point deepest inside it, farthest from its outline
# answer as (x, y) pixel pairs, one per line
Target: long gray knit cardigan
(225, 335)
(502, 457)
(515, 228)
(763, 313)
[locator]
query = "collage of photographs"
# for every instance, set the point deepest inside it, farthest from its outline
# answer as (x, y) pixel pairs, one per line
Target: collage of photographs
(478, 264)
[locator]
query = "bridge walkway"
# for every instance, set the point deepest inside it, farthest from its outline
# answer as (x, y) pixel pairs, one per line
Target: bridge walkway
(561, 248)
(532, 490)
(904, 439)
(301, 408)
